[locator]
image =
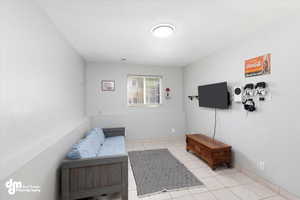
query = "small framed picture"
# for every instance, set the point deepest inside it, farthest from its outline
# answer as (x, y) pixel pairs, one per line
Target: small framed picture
(108, 85)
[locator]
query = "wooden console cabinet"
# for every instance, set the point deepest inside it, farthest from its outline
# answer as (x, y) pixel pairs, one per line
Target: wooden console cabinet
(215, 153)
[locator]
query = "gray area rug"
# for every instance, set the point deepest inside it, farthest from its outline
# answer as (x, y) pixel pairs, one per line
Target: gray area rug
(158, 170)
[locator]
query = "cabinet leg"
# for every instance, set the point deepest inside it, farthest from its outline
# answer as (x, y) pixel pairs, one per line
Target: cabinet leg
(212, 166)
(228, 165)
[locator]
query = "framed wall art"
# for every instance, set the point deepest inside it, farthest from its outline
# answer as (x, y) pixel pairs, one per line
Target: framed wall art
(257, 66)
(108, 85)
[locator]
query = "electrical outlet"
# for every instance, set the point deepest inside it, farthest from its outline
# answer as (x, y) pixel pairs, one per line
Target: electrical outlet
(261, 165)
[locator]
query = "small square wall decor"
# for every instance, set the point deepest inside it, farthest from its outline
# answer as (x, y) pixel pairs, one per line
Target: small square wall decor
(257, 66)
(108, 85)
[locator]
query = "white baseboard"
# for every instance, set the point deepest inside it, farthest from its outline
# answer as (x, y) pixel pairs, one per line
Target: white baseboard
(155, 139)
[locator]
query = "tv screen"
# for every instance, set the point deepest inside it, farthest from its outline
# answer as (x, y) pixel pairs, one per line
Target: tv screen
(214, 95)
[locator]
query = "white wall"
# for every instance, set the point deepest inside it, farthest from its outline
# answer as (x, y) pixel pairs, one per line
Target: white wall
(42, 93)
(43, 170)
(272, 133)
(109, 109)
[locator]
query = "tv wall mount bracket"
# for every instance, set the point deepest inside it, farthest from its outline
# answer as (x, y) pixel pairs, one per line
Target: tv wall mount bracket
(193, 97)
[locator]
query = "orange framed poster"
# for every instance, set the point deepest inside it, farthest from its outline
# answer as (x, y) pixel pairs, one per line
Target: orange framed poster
(260, 65)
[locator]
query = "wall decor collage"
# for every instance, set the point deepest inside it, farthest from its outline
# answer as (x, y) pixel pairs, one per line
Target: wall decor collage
(252, 92)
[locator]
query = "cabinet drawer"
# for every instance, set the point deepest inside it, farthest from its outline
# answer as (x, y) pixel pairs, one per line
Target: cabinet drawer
(222, 153)
(219, 154)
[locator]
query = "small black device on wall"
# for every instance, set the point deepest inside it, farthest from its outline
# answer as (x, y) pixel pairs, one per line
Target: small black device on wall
(238, 94)
(248, 90)
(249, 105)
(193, 97)
(260, 90)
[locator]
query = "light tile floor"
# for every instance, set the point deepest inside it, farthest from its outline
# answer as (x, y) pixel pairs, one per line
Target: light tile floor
(221, 184)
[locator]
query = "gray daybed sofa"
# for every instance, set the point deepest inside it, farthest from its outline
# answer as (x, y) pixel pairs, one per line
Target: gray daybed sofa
(95, 170)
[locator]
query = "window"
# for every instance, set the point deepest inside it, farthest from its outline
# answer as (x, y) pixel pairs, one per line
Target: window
(143, 90)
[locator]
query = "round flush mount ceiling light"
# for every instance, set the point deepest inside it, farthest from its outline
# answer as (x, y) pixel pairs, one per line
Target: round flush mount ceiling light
(163, 30)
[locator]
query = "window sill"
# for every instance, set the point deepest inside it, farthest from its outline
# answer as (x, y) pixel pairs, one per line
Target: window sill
(144, 105)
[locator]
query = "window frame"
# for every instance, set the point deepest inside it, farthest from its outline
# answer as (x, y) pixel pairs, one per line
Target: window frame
(145, 105)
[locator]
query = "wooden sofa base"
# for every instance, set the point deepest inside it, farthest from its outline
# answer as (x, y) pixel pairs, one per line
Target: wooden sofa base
(93, 177)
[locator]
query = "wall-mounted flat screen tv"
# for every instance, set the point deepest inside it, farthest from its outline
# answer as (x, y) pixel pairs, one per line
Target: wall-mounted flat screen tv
(214, 95)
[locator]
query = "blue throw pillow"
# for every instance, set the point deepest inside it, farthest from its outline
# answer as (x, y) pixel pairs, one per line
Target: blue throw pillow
(94, 141)
(74, 153)
(89, 133)
(89, 146)
(100, 133)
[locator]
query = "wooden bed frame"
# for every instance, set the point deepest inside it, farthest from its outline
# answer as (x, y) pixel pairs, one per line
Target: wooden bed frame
(95, 176)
